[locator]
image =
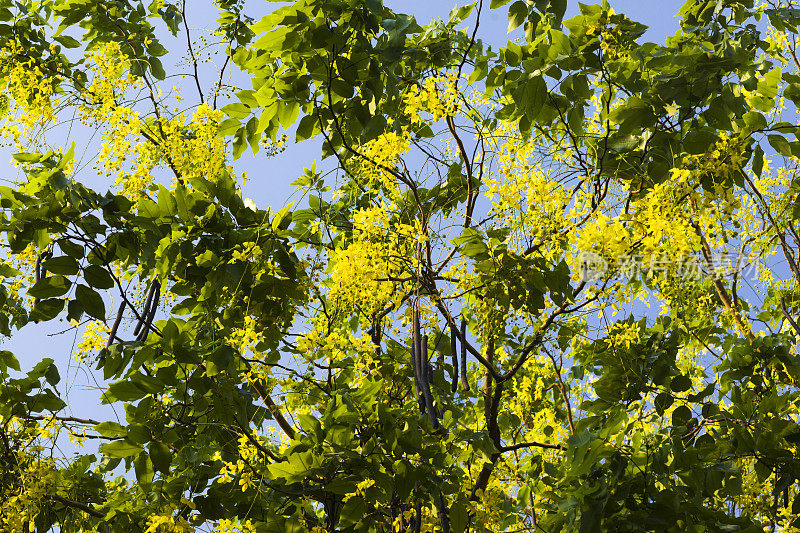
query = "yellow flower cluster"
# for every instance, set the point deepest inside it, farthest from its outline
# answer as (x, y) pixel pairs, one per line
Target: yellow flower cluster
(361, 487)
(615, 43)
(438, 97)
(27, 94)
(248, 455)
(164, 522)
(607, 237)
(381, 247)
(245, 339)
(661, 223)
(721, 161)
(245, 252)
(530, 402)
(779, 42)
(95, 337)
(383, 153)
(195, 149)
(111, 77)
(233, 525)
(528, 202)
(32, 476)
(333, 345)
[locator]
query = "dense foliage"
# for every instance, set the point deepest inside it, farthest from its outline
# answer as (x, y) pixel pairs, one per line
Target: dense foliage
(549, 287)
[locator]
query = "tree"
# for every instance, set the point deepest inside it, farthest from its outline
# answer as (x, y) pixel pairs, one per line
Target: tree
(453, 330)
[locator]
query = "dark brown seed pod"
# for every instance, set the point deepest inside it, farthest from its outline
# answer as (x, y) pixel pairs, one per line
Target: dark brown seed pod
(464, 381)
(786, 498)
(113, 335)
(47, 254)
(146, 309)
(443, 513)
(37, 275)
(38, 270)
(453, 359)
(148, 320)
(426, 386)
(417, 388)
(415, 350)
(418, 517)
(426, 360)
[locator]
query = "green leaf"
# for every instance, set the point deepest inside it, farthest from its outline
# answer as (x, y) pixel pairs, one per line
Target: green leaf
(228, 126)
(530, 97)
(7, 271)
(120, 448)
(780, 144)
(51, 286)
(768, 86)
(662, 402)
(126, 391)
(580, 439)
(633, 116)
(91, 301)
(517, 14)
(156, 68)
(353, 511)
(110, 429)
(161, 456)
(458, 517)
(236, 110)
(8, 359)
(71, 249)
(98, 277)
(305, 130)
(755, 120)
(561, 45)
(239, 142)
(52, 376)
(698, 141)
(143, 467)
(288, 113)
(47, 309)
(207, 259)
(680, 383)
(64, 264)
(758, 160)
(67, 41)
(139, 434)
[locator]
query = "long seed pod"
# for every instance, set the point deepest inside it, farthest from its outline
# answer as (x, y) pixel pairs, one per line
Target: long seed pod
(786, 498)
(427, 360)
(418, 517)
(487, 380)
(47, 254)
(453, 359)
(151, 311)
(415, 357)
(37, 275)
(113, 335)
(148, 320)
(464, 381)
(38, 270)
(426, 387)
(443, 513)
(146, 309)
